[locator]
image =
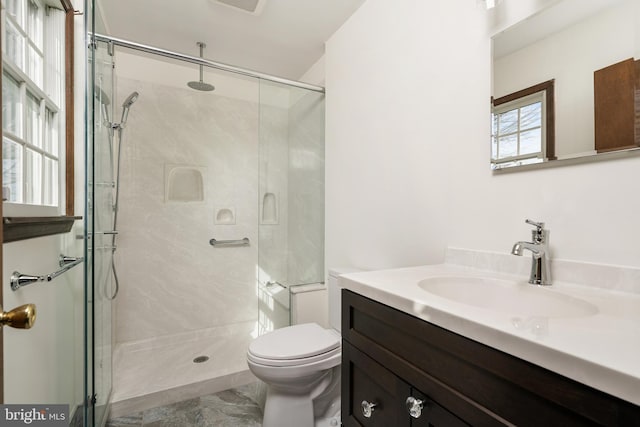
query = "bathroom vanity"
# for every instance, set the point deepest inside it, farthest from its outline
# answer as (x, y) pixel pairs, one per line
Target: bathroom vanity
(398, 358)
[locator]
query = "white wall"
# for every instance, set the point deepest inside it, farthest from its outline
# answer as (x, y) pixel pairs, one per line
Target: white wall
(40, 363)
(406, 177)
(45, 364)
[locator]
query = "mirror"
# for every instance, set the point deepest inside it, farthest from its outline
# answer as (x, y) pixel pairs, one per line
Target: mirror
(573, 45)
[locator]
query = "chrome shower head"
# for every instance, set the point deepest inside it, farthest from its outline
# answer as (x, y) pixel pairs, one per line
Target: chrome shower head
(126, 105)
(201, 85)
(130, 100)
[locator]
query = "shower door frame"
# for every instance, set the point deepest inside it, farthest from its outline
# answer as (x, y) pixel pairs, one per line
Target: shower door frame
(201, 61)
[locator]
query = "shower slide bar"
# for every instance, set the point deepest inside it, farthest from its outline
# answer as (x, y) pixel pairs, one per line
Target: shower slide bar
(19, 280)
(226, 243)
(200, 61)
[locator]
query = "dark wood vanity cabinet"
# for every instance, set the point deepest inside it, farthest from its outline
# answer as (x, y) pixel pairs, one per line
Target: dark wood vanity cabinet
(389, 356)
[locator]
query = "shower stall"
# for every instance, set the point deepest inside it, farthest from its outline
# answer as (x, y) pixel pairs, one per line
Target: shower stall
(208, 208)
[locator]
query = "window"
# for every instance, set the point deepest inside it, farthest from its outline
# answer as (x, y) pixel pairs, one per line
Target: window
(522, 127)
(32, 108)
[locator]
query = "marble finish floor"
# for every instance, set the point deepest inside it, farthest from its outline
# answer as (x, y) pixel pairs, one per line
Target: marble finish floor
(229, 408)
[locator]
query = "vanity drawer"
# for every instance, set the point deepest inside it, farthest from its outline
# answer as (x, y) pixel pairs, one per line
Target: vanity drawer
(481, 385)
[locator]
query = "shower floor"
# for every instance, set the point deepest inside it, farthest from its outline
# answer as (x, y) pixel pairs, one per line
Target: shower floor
(161, 371)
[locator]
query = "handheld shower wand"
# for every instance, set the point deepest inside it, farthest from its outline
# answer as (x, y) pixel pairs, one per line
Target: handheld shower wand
(115, 129)
(125, 107)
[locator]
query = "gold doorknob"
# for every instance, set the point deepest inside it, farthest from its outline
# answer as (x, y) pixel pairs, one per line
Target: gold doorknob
(22, 317)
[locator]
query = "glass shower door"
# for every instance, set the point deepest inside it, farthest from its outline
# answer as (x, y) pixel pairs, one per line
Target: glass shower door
(99, 220)
(291, 198)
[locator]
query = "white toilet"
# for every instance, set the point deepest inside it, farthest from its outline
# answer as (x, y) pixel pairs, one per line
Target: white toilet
(300, 365)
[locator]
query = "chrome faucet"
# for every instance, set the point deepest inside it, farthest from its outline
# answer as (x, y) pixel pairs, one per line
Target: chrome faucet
(540, 268)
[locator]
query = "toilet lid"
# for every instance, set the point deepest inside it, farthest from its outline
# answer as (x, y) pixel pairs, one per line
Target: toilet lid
(295, 342)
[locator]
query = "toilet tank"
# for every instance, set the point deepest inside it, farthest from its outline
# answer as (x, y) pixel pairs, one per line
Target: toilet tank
(309, 304)
(335, 298)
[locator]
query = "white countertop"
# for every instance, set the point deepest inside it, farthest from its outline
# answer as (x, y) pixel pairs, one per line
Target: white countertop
(601, 350)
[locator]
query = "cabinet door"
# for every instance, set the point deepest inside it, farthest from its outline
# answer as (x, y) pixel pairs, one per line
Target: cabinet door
(614, 106)
(433, 415)
(364, 380)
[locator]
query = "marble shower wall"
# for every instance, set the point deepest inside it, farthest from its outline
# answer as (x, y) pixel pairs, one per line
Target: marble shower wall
(260, 149)
(306, 188)
(171, 279)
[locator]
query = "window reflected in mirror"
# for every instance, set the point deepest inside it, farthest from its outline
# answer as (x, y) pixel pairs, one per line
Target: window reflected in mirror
(522, 127)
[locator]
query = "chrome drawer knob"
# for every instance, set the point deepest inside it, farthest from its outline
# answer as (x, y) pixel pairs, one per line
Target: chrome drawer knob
(414, 406)
(367, 408)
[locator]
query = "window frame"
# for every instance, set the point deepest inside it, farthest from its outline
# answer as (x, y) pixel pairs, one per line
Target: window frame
(520, 98)
(24, 227)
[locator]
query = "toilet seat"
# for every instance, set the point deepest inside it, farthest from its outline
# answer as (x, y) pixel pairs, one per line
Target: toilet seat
(294, 362)
(294, 346)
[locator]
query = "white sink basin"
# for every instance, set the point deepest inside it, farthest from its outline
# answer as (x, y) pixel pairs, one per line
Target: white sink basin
(507, 296)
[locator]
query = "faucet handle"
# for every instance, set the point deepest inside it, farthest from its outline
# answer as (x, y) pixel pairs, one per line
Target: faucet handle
(539, 235)
(538, 225)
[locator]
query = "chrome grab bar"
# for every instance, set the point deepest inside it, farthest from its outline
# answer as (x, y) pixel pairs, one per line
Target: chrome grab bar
(223, 243)
(19, 280)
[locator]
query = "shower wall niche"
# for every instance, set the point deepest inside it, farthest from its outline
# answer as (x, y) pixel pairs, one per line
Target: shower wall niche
(246, 160)
(184, 184)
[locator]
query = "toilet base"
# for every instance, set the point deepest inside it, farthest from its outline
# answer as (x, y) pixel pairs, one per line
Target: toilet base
(285, 407)
(299, 413)
(286, 410)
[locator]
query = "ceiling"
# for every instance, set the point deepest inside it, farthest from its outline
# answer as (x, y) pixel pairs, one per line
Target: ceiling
(283, 38)
(549, 20)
